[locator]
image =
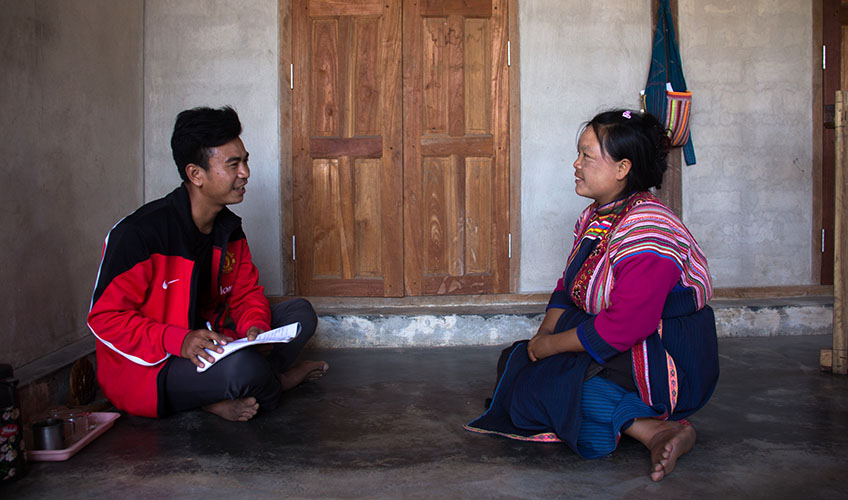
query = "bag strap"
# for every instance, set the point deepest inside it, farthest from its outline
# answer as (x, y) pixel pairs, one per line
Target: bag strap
(658, 72)
(675, 67)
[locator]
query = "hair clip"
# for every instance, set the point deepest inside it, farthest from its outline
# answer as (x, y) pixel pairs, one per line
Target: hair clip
(626, 114)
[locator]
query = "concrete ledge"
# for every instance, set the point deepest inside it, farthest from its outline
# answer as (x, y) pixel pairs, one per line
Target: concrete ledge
(346, 322)
(64, 357)
(533, 303)
(753, 321)
(498, 320)
(493, 320)
(44, 383)
(444, 304)
(423, 330)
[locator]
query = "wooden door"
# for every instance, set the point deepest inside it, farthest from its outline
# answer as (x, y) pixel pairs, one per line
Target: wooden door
(400, 144)
(347, 147)
(456, 147)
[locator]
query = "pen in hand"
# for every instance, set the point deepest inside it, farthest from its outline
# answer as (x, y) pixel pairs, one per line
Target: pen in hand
(217, 339)
(209, 327)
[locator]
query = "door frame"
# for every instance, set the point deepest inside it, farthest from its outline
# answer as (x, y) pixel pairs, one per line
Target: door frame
(285, 73)
(822, 256)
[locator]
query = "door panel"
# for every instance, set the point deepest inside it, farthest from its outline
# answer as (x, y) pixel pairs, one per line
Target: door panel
(347, 143)
(455, 147)
(324, 116)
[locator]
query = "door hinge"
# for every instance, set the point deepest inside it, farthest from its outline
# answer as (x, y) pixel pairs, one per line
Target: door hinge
(509, 246)
(508, 54)
(294, 249)
(824, 56)
(291, 76)
(822, 251)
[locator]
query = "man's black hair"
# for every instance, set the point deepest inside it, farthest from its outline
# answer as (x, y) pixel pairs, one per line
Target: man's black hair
(199, 129)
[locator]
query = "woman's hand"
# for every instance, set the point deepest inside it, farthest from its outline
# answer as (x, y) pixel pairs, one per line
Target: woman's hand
(540, 347)
(547, 344)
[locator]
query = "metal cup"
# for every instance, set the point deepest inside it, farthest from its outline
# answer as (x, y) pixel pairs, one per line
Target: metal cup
(76, 425)
(49, 434)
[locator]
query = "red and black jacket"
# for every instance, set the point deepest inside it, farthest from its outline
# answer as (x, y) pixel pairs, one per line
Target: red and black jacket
(146, 293)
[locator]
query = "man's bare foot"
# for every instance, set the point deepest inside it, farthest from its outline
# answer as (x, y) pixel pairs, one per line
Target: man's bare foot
(666, 440)
(235, 410)
(306, 371)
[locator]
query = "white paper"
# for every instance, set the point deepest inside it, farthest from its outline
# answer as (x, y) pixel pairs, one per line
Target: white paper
(281, 334)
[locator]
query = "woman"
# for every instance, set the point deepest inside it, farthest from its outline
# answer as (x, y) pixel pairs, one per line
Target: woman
(628, 342)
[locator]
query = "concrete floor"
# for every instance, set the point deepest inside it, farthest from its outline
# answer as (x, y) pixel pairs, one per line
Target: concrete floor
(387, 423)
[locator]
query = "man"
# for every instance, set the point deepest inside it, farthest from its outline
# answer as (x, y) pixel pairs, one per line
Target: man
(177, 279)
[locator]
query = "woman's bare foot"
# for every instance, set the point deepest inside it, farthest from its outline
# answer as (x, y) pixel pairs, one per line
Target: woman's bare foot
(306, 371)
(235, 410)
(667, 446)
(666, 440)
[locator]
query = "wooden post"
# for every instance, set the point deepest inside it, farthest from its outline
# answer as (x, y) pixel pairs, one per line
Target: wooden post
(840, 264)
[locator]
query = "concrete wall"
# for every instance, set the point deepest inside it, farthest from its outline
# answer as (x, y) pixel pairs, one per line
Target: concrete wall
(748, 199)
(90, 90)
(213, 53)
(577, 58)
(71, 147)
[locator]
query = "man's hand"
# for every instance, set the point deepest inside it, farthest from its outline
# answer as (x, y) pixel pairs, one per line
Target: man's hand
(197, 341)
(253, 332)
(264, 349)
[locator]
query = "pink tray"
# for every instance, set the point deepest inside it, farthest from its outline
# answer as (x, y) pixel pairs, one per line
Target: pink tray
(102, 422)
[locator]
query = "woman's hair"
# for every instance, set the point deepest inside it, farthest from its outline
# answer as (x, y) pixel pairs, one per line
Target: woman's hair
(638, 137)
